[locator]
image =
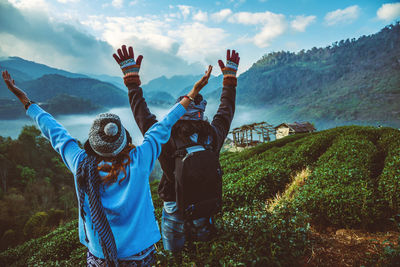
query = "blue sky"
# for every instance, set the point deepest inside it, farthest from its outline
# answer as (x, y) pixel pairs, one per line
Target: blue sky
(178, 37)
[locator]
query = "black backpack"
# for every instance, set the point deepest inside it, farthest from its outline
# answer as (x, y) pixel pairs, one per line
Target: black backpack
(198, 179)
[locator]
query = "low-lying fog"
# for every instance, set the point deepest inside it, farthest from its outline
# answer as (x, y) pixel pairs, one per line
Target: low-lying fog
(78, 125)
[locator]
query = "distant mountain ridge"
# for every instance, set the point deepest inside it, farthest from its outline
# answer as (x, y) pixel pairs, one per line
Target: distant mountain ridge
(98, 92)
(350, 81)
(35, 70)
(173, 85)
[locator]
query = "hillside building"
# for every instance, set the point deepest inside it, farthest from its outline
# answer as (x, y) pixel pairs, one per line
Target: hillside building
(285, 129)
(252, 134)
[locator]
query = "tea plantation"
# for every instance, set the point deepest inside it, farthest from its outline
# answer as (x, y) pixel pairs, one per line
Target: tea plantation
(353, 181)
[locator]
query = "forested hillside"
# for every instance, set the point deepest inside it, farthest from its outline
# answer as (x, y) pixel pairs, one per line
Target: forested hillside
(351, 80)
(330, 198)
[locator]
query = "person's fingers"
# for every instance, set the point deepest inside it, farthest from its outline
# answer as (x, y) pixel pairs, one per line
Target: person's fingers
(125, 52)
(6, 75)
(117, 58)
(228, 54)
(121, 56)
(233, 55)
(13, 81)
(208, 73)
(221, 64)
(139, 60)
(130, 52)
(238, 59)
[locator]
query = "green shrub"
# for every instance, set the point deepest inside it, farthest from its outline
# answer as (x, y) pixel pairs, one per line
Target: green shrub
(389, 181)
(340, 191)
(36, 225)
(343, 189)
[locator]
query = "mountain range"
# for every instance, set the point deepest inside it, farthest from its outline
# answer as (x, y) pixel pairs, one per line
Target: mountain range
(353, 81)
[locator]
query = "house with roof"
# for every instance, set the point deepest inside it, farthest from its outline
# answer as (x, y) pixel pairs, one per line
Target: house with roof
(285, 129)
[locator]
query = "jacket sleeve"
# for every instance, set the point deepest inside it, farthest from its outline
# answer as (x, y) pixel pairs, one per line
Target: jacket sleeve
(224, 116)
(60, 139)
(143, 117)
(158, 134)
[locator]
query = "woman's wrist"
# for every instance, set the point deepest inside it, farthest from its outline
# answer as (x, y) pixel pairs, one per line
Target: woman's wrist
(189, 97)
(132, 80)
(193, 93)
(28, 104)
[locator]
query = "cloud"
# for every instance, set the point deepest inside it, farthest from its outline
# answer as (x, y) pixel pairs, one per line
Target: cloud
(165, 52)
(389, 12)
(67, 1)
(300, 23)
(117, 3)
(30, 4)
(272, 25)
(199, 42)
(346, 15)
(32, 35)
(119, 30)
(237, 3)
(221, 15)
(268, 33)
(185, 10)
(201, 16)
(134, 2)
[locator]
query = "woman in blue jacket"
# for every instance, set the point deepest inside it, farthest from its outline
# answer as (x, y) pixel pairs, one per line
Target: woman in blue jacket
(116, 214)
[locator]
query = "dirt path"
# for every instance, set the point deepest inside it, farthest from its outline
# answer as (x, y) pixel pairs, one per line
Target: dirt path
(344, 247)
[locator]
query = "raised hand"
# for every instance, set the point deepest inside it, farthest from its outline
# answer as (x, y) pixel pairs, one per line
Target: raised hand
(232, 64)
(185, 101)
(203, 81)
(126, 60)
(15, 90)
(130, 68)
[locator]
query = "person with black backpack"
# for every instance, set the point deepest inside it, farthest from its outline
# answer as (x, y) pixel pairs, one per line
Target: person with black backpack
(191, 184)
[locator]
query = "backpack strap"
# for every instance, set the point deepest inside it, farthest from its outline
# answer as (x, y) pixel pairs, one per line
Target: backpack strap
(181, 145)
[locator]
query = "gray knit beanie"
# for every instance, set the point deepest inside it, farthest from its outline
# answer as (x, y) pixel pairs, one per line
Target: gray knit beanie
(107, 136)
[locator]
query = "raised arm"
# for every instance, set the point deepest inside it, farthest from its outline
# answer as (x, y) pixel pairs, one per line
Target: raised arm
(60, 139)
(130, 68)
(224, 116)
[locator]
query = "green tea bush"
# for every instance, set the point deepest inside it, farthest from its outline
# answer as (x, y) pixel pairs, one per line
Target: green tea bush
(351, 168)
(250, 237)
(312, 148)
(340, 191)
(232, 162)
(57, 246)
(258, 186)
(389, 181)
(267, 173)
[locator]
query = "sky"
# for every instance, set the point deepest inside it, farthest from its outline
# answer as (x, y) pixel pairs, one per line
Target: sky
(179, 37)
